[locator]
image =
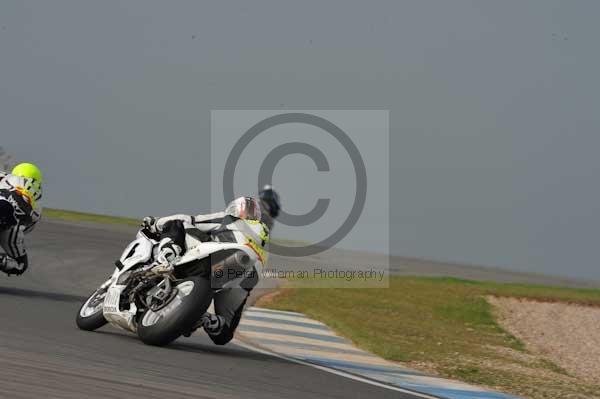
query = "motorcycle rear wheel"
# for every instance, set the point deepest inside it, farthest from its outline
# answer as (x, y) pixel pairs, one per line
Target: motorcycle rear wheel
(177, 317)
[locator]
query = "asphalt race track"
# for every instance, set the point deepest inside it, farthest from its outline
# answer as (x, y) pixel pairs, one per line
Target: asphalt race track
(44, 355)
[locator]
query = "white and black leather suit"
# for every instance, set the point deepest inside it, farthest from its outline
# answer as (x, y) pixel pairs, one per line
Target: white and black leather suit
(217, 227)
(18, 216)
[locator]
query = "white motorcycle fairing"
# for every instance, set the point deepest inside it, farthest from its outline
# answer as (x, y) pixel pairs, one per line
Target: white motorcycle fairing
(142, 251)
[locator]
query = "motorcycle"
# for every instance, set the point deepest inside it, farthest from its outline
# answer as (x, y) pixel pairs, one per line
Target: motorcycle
(161, 302)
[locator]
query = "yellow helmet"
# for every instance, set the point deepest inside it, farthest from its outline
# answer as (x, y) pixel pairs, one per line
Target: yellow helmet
(29, 171)
(32, 172)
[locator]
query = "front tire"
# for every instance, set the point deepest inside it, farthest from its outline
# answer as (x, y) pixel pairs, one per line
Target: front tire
(90, 316)
(165, 325)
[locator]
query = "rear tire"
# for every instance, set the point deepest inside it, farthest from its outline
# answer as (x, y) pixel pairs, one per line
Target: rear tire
(90, 317)
(179, 316)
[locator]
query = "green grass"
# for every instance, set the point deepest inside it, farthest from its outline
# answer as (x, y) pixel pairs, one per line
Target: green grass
(88, 217)
(444, 323)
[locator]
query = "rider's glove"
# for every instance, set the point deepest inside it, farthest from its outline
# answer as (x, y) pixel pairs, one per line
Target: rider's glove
(149, 224)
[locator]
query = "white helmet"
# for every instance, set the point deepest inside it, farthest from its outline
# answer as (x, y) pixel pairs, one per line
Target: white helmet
(246, 208)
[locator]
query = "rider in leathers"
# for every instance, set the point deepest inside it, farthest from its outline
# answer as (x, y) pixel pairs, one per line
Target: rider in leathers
(246, 221)
(20, 192)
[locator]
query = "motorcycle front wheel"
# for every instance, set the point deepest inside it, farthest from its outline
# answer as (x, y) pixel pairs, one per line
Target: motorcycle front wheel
(90, 317)
(162, 326)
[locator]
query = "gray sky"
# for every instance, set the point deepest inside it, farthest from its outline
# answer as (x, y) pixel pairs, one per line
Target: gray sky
(493, 107)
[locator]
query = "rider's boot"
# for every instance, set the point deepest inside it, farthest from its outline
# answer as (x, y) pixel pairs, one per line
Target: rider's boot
(168, 251)
(10, 267)
(212, 324)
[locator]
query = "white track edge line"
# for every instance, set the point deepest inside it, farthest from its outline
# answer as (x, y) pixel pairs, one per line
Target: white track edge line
(335, 371)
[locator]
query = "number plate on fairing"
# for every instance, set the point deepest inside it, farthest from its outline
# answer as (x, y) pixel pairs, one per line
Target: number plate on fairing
(111, 302)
